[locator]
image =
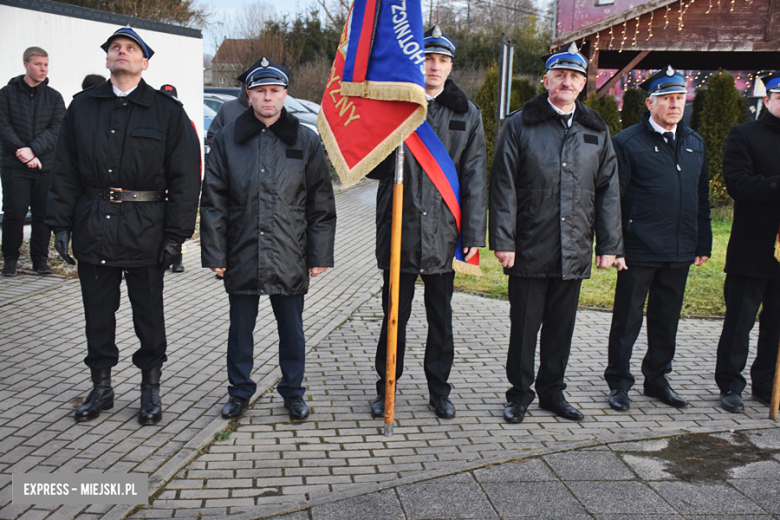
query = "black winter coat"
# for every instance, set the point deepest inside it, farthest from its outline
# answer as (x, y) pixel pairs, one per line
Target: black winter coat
(227, 113)
(29, 120)
(267, 210)
(430, 234)
(751, 169)
(665, 200)
(142, 142)
(550, 189)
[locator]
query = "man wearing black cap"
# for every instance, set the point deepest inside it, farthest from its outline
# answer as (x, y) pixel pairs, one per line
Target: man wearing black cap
(268, 223)
(750, 169)
(664, 188)
(430, 234)
(125, 187)
(554, 181)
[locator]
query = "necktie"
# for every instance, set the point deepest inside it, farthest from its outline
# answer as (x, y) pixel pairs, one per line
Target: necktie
(565, 119)
(670, 140)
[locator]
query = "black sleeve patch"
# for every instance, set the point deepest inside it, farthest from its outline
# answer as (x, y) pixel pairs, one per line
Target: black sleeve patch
(458, 125)
(292, 153)
(591, 139)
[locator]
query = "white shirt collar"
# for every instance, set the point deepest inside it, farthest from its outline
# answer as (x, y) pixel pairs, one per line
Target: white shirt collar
(119, 93)
(658, 128)
(427, 97)
(562, 113)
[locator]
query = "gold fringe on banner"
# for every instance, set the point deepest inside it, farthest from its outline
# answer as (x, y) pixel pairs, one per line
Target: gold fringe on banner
(385, 91)
(465, 268)
(777, 248)
(351, 176)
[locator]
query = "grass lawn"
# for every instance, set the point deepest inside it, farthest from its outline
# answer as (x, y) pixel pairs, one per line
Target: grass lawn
(703, 294)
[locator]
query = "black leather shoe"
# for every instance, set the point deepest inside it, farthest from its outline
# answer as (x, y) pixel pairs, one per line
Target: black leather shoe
(442, 406)
(178, 265)
(378, 406)
(667, 396)
(234, 407)
(100, 398)
(619, 401)
(297, 408)
(9, 267)
(151, 405)
(514, 412)
(563, 409)
(731, 401)
(40, 266)
(763, 399)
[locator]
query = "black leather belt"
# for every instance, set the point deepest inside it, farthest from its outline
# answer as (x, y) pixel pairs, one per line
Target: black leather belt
(118, 195)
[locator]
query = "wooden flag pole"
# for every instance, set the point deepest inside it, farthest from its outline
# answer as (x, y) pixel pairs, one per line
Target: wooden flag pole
(775, 389)
(395, 274)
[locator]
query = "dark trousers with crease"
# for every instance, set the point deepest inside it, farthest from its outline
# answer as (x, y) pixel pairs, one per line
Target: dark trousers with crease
(288, 311)
(666, 288)
(100, 290)
(549, 303)
(439, 346)
(744, 295)
(21, 192)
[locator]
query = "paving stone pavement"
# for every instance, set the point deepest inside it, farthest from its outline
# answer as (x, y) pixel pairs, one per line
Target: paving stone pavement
(43, 378)
(644, 480)
(270, 465)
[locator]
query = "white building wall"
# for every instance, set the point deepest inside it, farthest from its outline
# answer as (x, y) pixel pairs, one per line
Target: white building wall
(73, 45)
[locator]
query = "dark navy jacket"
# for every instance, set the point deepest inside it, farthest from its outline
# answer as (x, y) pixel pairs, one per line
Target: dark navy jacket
(664, 199)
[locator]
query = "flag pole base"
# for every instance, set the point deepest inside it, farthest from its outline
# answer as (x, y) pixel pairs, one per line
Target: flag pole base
(389, 430)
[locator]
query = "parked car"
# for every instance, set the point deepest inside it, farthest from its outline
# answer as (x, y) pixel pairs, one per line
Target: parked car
(208, 116)
(218, 95)
(311, 105)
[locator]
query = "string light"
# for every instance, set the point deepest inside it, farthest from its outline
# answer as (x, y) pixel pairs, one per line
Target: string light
(732, 6)
(650, 26)
(666, 17)
(611, 37)
(680, 16)
(636, 32)
(625, 24)
(710, 8)
(598, 34)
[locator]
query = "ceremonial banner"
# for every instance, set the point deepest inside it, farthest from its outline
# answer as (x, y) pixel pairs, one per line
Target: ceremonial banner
(375, 95)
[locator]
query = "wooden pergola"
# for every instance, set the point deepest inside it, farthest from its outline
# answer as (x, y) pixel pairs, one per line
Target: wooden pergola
(692, 35)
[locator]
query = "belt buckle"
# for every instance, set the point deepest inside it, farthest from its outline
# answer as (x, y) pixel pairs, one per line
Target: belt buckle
(112, 193)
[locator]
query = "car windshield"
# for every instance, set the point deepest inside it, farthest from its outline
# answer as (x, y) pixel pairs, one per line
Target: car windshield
(208, 111)
(292, 105)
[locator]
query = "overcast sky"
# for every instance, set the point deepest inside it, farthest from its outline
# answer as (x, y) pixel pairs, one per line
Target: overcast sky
(227, 10)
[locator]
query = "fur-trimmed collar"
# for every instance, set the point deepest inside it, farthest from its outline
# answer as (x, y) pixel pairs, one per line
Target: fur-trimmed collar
(285, 128)
(453, 97)
(538, 110)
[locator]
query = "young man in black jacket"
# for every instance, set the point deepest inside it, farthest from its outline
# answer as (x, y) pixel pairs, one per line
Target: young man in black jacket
(30, 118)
(125, 186)
(750, 170)
(430, 234)
(664, 191)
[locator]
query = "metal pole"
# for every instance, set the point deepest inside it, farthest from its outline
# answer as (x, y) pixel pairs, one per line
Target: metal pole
(395, 275)
(502, 79)
(500, 85)
(509, 78)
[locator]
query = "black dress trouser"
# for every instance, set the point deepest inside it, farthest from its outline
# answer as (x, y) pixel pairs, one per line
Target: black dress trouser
(666, 287)
(439, 346)
(549, 303)
(20, 192)
(744, 295)
(100, 290)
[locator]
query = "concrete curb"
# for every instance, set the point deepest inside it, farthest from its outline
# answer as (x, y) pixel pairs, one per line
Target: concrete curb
(192, 449)
(509, 456)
